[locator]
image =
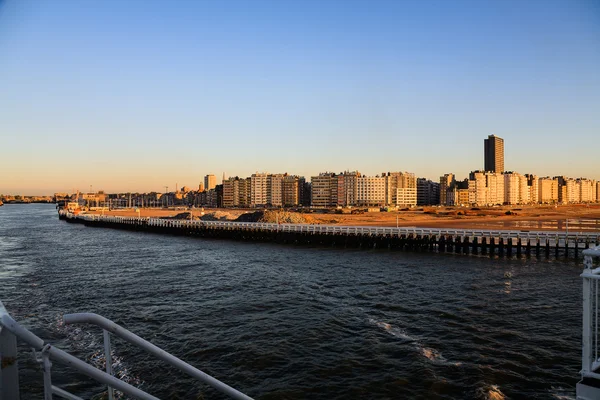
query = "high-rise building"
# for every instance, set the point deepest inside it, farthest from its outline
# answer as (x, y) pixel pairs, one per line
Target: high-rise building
(347, 192)
(275, 190)
(548, 190)
(210, 181)
(533, 186)
(324, 189)
(428, 192)
(494, 154)
(293, 191)
(258, 190)
(400, 188)
(370, 191)
(446, 182)
(516, 188)
(587, 189)
(290, 191)
(487, 188)
(236, 192)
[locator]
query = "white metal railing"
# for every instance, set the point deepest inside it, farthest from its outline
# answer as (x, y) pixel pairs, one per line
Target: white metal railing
(592, 238)
(109, 326)
(591, 275)
(10, 330)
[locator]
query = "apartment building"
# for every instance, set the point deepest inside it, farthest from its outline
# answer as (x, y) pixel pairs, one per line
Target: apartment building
(569, 190)
(237, 192)
(548, 190)
(371, 191)
(477, 187)
(446, 182)
(494, 154)
(347, 191)
(258, 190)
(291, 190)
(407, 182)
(405, 197)
(275, 190)
(305, 192)
(516, 188)
(210, 181)
(428, 192)
(533, 188)
(457, 197)
(324, 189)
(587, 190)
(495, 184)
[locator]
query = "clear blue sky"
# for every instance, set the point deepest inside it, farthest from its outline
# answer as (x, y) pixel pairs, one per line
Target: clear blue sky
(141, 94)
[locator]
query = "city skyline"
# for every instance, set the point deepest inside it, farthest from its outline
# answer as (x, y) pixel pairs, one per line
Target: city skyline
(302, 88)
(493, 155)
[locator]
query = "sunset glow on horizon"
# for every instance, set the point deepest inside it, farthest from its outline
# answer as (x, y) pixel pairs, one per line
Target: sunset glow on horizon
(136, 96)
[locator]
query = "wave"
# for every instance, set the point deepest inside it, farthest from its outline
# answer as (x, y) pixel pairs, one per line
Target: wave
(394, 331)
(490, 392)
(429, 353)
(560, 393)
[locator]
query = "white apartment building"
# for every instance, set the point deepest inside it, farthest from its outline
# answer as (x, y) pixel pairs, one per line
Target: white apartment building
(587, 192)
(258, 190)
(405, 197)
(371, 191)
(495, 184)
(533, 186)
(486, 188)
(548, 190)
(511, 188)
(210, 181)
(573, 191)
(478, 190)
(516, 189)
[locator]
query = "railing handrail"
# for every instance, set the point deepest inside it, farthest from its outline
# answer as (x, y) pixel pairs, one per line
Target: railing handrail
(348, 228)
(7, 322)
(132, 338)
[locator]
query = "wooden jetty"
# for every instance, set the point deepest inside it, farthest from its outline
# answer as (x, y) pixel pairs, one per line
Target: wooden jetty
(461, 241)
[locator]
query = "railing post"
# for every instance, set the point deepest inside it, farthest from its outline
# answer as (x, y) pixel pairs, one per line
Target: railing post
(108, 359)
(9, 370)
(587, 357)
(46, 366)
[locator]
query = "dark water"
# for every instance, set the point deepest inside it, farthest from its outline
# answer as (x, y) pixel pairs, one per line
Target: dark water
(284, 322)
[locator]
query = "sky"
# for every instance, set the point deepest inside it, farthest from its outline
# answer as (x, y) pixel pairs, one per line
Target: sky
(138, 95)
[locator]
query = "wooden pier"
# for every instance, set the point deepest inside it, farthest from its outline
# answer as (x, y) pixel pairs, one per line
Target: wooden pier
(461, 241)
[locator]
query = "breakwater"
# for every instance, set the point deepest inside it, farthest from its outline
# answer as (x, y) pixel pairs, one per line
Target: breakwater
(491, 242)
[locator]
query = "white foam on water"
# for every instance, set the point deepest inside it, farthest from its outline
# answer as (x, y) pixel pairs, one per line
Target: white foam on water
(82, 340)
(429, 353)
(490, 392)
(394, 331)
(494, 393)
(562, 393)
